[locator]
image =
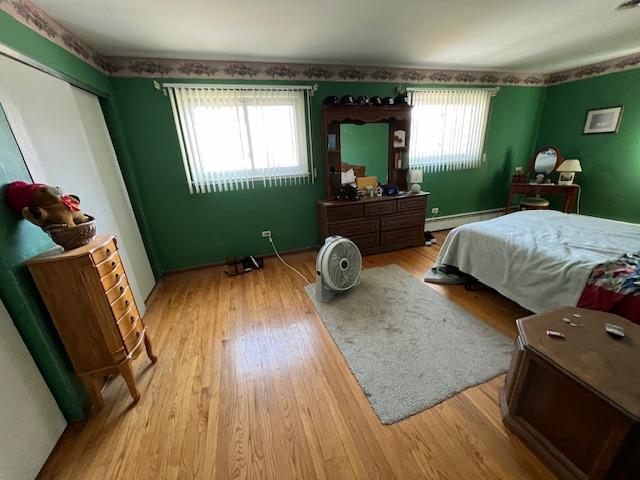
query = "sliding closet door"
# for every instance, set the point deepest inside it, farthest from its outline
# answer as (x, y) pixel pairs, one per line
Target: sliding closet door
(73, 151)
(30, 420)
(109, 172)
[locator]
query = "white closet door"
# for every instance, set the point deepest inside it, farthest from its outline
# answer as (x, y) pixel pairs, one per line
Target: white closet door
(74, 151)
(109, 173)
(30, 420)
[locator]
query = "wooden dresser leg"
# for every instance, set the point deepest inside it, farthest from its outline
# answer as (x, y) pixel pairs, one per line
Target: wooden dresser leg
(149, 348)
(94, 392)
(126, 370)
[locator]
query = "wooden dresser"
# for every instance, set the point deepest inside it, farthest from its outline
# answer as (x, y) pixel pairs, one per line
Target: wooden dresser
(376, 224)
(90, 301)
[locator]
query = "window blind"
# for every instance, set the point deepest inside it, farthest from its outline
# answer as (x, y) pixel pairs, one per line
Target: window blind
(234, 136)
(448, 128)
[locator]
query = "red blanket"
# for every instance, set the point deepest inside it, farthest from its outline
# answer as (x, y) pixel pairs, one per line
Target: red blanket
(615, 287)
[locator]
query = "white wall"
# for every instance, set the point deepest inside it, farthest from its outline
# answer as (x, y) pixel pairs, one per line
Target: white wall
(30, 420)
(71, 149)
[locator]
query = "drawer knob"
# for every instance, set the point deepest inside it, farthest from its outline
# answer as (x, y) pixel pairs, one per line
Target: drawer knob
(138, 334)
(126, 303)
(117, 277)
(113, 264)
(133, 319)
(108, 252)
(121, 289)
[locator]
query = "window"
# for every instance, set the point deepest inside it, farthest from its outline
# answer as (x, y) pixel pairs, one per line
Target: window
(232, 137)
(448, 128)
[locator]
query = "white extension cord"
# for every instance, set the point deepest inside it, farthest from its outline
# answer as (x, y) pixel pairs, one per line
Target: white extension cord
(285, 263)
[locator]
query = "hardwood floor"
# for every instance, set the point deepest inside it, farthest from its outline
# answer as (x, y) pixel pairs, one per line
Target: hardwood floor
(249, 384)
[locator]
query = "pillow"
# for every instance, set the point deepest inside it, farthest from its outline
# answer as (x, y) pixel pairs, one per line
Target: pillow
(348, 177)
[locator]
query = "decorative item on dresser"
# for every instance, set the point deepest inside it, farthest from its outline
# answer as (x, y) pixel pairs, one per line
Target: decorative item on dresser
(568, 170)
(90, 301)
(376, 224)
(572, 393)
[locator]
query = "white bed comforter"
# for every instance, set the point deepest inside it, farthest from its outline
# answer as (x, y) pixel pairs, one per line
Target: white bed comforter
(540, 259)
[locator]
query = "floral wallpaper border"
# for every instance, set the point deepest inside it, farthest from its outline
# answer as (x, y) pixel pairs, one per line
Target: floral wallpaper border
(39, 21)
(157, 67)
(35, 18)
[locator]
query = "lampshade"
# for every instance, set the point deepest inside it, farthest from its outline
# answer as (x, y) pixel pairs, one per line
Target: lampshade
(570, 165)
(415, 176)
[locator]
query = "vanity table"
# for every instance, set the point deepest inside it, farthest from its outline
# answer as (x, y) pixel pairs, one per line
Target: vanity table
(569, 192)
(374, 224)
(544, 162)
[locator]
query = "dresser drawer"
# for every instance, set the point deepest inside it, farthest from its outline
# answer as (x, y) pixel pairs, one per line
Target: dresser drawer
(356, 227)
(415, 203)
(402, 221)
(365, 241)
(379, 208)
(122, 304)
(134, 337)
(396, 236)
(99, 255)
(344, 212)
(127, 321)
(118, 289)
(407, 243)
(110, 279)
(108, 265)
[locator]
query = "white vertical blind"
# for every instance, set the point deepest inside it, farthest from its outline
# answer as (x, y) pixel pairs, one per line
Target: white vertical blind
(448, 128)
(234, 136)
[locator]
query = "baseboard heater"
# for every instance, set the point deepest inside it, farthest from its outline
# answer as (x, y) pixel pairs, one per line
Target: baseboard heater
(451, 221)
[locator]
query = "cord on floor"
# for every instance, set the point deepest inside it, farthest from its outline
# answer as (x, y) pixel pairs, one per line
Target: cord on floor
(285, 263)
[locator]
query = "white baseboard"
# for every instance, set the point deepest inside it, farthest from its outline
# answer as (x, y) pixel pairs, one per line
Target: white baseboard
(451, 221)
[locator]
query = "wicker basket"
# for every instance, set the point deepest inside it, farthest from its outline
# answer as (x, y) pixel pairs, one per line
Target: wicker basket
(73, 237)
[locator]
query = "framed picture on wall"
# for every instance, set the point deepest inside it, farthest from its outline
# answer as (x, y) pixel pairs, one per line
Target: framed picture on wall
(603, 120)
(399, 137)
(332, 142)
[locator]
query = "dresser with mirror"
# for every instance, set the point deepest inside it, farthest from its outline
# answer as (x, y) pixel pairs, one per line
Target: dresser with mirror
(366, 145)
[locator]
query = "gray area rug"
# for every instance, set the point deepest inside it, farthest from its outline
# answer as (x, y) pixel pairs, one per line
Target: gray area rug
(408, 346)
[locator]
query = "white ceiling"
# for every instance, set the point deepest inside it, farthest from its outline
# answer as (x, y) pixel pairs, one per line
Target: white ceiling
(512, 35)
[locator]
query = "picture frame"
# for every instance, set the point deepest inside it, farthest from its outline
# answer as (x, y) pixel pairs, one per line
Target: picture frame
(603, 120)
(332, 142)
(399, 137)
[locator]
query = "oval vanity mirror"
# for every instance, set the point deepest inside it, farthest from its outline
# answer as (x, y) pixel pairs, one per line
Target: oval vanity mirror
(546, 160)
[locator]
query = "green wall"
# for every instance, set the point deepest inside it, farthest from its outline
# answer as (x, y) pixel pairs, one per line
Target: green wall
(24, 40)
(610, 177)
(366, 145)
(191, 230)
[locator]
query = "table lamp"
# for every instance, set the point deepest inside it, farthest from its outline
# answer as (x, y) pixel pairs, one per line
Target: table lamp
(567, 170)
(415, 177)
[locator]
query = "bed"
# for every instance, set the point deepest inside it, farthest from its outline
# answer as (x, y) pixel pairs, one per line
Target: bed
(545, 259)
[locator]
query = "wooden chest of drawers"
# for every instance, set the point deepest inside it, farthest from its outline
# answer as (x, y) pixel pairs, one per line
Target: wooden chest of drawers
(376, 224)
(90, 301)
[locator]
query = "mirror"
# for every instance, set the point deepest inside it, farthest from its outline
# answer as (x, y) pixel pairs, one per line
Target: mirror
(365, 150)
(546, 160)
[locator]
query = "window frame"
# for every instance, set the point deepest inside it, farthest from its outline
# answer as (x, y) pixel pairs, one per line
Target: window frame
(462, 159)
(222, 180)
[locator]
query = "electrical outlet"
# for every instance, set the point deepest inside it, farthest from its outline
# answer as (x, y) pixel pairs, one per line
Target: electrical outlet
(435, 210)
(266, 234)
